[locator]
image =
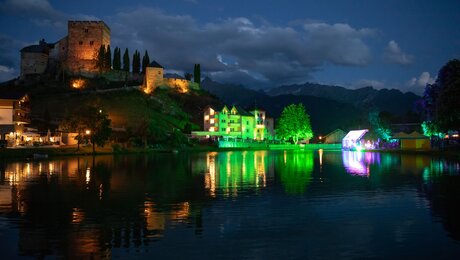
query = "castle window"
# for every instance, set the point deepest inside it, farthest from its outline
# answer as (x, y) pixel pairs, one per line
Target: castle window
(159, 72)
(91, 43)
(86, 30)
(80, 42)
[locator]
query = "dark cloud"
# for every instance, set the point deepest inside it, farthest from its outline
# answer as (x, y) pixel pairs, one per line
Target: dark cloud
(268, 54)
(253, 53)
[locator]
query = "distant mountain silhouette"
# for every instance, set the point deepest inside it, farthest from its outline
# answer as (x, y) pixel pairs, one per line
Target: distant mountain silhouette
(393, 101)
(326, 114)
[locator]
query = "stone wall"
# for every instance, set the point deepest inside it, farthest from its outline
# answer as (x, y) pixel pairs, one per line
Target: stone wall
(83, 42)
(33, 63)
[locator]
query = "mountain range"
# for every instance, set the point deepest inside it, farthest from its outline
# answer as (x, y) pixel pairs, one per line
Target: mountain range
(329, 107)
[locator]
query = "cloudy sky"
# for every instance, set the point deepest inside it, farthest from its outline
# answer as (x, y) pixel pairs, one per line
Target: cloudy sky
(259, 43)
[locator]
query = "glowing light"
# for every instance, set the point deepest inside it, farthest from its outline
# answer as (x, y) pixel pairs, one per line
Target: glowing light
(88, 132)
(320, 137)
(351, 140)
(78, 83)
(206, 117)
(211, 121)
(88, 175)
(211, 129)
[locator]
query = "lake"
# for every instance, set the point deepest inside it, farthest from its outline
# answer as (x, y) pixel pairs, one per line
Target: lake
(238, 204)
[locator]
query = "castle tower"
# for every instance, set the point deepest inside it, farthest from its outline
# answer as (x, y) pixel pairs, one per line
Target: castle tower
(153, 77)
(83, 42)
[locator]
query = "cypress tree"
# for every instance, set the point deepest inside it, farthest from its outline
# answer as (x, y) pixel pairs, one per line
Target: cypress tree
(100, 62)
(197, 73)
(136, 62)
(126, 60)
(108, 58)
(116, 59)
(145, 61)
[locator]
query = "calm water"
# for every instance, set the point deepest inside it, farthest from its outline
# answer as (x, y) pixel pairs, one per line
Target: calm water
(254, 204)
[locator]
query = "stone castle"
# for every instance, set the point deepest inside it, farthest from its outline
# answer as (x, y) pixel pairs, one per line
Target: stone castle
(76, 53)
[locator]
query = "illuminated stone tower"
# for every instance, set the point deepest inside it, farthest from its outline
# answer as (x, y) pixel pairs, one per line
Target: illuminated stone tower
(83, 42)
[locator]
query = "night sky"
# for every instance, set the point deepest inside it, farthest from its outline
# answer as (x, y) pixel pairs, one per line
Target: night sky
(386, 44)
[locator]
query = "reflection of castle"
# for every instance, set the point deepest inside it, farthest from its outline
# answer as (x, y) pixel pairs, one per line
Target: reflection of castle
(75, 53)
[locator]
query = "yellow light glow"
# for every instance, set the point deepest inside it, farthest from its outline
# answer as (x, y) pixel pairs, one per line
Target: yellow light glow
(211, 111)
(77, 83)
(211, 129)
(211, 121)
(455, 135)
(88, 132)
(206, 117)
(320, 137)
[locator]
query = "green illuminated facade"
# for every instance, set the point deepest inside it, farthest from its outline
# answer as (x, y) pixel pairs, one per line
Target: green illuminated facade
(237, 123)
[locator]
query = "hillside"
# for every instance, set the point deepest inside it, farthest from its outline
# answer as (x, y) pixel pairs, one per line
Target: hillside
(326, 115)
(393, 101)
(127, 107)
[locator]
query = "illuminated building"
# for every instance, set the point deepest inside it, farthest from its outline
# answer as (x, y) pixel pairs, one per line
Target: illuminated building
(353, 139)
(74, 53)
(14, 114)
(154, 77)
(236, 122)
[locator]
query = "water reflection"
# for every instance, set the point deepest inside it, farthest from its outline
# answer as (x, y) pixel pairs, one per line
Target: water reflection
(233, 171)
(103, 207)
(358, 163)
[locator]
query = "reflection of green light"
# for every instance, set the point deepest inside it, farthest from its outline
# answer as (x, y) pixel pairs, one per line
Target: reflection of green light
(295, 172)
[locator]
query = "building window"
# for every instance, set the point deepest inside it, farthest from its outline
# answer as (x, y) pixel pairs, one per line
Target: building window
(80, 42)
(223, 129)
(86, 30)
(91, 43)
(159, 72)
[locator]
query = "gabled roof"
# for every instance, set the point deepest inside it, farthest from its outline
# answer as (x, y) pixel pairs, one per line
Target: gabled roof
(355, 135)
(336, 130)
(155, 64)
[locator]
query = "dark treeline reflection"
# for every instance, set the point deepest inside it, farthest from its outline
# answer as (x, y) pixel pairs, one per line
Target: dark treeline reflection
(88, 206)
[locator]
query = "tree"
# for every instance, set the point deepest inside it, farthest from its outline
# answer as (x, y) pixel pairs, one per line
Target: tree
(136, 62)
(116, 59)
(126, 60)
(188, 76)
(294, 123)
(100, 61)
(440, 100)
(108, 58)
(91, 123)
(197, 73)
(380, 122)
(447, 103)
(145, 61)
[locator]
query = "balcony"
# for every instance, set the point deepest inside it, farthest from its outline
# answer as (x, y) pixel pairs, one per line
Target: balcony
(22, 107)
(21, 119)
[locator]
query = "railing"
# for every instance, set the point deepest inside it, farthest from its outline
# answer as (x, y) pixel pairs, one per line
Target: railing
(21, 119)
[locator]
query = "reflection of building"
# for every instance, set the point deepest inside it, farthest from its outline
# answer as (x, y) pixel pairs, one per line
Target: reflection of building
(237, 122)
(154, 78)
(14, 114)
(358, 163)
(232, 171)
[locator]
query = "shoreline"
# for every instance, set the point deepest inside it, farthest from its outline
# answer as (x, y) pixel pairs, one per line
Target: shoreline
(50, 152)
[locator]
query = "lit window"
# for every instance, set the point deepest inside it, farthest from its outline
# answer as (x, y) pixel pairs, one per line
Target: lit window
(211, 121)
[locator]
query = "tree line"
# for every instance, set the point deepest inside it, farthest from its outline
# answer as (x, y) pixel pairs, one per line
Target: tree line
(104, 62)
